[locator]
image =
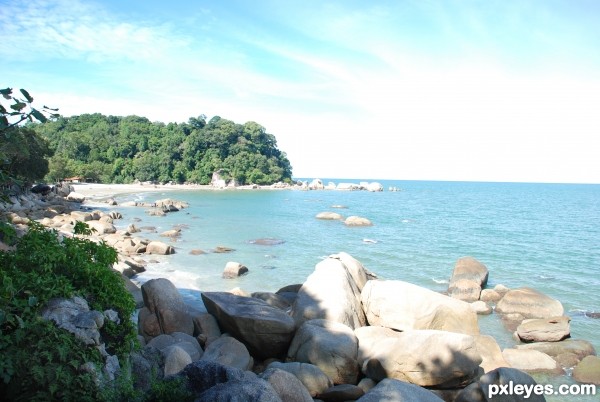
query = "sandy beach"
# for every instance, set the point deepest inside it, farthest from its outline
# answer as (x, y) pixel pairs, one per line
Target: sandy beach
(95, 191)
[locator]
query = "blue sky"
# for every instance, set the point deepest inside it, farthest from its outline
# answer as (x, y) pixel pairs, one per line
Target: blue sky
(440, 90)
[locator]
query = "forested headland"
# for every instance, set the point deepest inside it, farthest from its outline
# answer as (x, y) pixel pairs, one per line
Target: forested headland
(112, 149)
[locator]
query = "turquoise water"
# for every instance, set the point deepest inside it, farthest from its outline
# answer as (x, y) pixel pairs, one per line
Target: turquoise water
(545, 236)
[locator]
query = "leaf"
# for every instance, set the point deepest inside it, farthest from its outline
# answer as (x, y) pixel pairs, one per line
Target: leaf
(3, 122)
(26, 95)
(39, 116)
(6, 92)
(49, 108)
(18, 106)
(32, 301)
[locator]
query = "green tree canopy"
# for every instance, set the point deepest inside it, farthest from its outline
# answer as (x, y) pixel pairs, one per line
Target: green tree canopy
(124, 149)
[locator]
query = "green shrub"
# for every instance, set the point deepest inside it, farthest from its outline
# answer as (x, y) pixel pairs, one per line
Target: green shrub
(40, 361)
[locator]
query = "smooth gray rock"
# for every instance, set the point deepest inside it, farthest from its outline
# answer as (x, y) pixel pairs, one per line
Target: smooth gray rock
(390, 390)
(425, 357)
(266, 331)
(165, 303)
(551, 329)
(329, 345)
(480, 391)
(403, 306)
(330, 293)
(468, 278)
(309, 375)
(202, 375)
(342, 393)
(529, 303)
(229, 352)
(257, 390)
(288, 386)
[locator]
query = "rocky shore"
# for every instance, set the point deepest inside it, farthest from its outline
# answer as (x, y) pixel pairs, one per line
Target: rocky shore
(341, 335)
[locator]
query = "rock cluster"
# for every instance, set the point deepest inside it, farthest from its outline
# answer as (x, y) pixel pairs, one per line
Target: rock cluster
(343, 336)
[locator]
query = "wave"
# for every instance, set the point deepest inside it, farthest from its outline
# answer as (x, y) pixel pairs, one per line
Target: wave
(440, 281)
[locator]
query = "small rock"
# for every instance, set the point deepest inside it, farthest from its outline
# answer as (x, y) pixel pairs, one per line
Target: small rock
(234, 270)
(357, 221)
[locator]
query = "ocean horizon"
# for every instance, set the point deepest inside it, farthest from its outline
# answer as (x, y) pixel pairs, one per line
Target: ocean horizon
(538, 235)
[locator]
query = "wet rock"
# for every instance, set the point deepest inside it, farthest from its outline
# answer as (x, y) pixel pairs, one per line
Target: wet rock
(357, 221)
(234, 270)
(329, 216)
(588, 370)
(160, 248)
(468, 278)
(529, 303)
(544, 329)
(531, 361)
(267, 242)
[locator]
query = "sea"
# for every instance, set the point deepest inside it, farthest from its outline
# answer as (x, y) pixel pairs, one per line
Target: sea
(543, 236)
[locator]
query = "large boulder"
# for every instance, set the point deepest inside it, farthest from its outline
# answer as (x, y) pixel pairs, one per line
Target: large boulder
(577, 347)
(330, 293)
(164, 311)
(368, 337)
(468, 278)
(398, 391)
(494, 382)
(490, 352)
(544, 329)
(202, 375)
(329, 345)
(256, 390)
(311, 376)
(75, 316)
(288, 386)
(267, 331)
(425, 357)
(531, 361)
(230, 352)
(529, 303)
(588, 370)
(404, 306)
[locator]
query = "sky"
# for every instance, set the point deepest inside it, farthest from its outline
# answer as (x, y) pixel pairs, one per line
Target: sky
(490, 90)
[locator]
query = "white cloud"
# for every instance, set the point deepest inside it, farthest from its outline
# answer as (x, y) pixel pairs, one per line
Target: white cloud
(351, 101)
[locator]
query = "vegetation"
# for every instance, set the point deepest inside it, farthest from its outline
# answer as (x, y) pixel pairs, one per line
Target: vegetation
(39, 360)
(23, 153)
(124, 149)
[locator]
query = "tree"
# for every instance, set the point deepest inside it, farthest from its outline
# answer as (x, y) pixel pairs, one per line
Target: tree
(21, 110)
(22, 151)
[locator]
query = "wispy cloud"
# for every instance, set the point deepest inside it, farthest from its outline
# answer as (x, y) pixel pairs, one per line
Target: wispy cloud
(45, 30)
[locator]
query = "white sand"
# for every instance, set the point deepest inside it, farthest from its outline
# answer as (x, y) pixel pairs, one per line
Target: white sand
(105, 191)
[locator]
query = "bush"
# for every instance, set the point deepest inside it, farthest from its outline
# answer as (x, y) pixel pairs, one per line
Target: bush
(40, 361)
